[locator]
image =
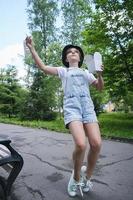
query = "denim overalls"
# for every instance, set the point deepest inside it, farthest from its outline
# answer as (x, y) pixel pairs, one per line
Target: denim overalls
(78, 105)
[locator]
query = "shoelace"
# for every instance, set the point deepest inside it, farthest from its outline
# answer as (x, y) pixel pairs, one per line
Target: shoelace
(80, 185)
(89, 184)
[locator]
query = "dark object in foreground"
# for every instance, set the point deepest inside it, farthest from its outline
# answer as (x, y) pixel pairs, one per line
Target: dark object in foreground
(12, 162)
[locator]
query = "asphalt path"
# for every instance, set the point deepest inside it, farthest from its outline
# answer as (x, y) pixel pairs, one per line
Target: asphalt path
(48, 163)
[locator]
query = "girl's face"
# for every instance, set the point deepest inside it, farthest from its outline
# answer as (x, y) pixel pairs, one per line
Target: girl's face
(73, 55)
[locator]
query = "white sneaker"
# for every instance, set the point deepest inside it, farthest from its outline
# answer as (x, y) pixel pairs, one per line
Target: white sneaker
(74, 187)
(87, 184)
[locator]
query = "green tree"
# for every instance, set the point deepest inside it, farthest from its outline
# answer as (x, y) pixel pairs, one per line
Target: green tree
(75, 14)
(12, 94)
(42, 91)
(42, 16)
(110, 32)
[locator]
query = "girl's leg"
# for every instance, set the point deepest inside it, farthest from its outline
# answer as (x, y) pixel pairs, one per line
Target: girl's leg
(77, 130)
(94, 138)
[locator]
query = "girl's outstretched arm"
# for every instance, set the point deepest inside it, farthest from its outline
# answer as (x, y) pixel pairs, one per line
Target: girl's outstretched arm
(37, 59)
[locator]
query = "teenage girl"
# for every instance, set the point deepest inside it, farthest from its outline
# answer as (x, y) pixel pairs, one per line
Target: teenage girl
(79, 115)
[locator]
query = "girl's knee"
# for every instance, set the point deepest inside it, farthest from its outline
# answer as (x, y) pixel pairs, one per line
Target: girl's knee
(96, 146)
(81, 147)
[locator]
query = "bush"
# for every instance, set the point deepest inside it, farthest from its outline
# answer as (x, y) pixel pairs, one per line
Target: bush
(49, 115)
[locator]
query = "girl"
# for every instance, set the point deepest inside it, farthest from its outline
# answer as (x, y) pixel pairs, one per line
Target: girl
(79, 114)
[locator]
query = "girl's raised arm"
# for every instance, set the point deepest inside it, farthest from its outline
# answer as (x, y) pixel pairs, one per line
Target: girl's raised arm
(37, 59)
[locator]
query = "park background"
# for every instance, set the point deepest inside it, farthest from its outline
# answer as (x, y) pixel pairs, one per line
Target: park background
(36, 100)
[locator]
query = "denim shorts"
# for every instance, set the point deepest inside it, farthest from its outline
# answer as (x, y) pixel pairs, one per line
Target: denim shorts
(79, 108)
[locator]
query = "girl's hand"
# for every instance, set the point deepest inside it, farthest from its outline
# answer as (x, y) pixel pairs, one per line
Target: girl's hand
(100, 72)
(29, 42)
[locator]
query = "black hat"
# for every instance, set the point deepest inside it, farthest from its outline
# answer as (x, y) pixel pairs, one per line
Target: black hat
(65, 51)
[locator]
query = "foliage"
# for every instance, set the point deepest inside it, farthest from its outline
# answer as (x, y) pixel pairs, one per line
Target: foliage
(41, 102)
(41, 14)
(99, 99)
(75, 15)
(110, 32)
(12, 94)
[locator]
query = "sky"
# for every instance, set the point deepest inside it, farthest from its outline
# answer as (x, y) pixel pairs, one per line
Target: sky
(13, 30)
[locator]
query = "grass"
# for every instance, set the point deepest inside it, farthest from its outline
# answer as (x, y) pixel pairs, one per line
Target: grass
(112, 125)
(116, 125)
(56, 125)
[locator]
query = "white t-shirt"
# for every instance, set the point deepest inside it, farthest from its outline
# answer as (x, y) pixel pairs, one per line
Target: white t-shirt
(62, 71)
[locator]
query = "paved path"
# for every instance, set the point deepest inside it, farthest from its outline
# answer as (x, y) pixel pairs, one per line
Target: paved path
(47, 166)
